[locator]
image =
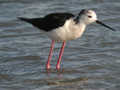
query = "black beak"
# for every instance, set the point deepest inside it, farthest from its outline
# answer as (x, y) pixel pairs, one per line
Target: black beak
(99, 22)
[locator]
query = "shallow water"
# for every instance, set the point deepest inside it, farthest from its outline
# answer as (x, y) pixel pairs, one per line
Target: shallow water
(89, 63)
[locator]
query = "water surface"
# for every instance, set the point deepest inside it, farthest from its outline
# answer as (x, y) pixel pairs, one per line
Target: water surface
(89, 63)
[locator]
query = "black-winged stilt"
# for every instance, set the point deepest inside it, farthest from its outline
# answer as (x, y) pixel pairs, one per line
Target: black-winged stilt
(63, 27)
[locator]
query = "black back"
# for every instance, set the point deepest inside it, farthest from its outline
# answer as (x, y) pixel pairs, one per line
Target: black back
(79, 15)
(50, 21)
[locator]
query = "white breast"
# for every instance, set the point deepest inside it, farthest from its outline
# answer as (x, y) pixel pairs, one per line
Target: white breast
(68, 31)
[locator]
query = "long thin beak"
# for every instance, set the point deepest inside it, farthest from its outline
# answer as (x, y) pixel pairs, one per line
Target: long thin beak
(99, 22)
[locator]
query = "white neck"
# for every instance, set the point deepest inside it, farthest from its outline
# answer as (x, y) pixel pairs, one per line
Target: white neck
(75, 30)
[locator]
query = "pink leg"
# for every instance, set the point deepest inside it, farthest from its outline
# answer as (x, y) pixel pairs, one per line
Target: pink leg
(50, 55)
(60, 56)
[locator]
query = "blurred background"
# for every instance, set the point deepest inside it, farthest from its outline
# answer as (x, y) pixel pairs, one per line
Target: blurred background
(89, 63)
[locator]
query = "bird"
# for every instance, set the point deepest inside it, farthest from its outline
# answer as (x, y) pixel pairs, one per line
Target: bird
(64, 26)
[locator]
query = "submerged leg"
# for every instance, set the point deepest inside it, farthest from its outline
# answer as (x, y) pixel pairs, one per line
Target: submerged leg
(50, 55)
(60, 56)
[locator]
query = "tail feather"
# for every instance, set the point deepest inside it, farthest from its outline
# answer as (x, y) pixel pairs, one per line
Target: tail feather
(24, 19)
(37, 22)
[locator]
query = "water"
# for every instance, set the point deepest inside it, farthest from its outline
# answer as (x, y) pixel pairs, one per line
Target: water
(89, 63)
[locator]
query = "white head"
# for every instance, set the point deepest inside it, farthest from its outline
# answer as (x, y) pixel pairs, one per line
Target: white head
(89, 16)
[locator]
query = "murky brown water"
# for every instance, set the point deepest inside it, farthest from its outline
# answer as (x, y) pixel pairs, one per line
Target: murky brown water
(89, 63)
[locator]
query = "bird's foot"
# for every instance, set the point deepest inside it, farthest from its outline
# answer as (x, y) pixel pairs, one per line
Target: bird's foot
(48, 67)
(58, 67)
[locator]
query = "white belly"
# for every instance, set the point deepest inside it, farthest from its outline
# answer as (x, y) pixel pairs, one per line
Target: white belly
(69, 31)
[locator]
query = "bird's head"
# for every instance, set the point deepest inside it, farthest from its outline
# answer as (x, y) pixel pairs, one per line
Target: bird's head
(88, 17)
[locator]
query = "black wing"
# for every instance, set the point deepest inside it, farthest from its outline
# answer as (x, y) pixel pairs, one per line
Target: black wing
(50, 21)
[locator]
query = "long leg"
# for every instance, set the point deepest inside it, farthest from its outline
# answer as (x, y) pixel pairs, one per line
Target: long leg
(50, 55)
(60, 56)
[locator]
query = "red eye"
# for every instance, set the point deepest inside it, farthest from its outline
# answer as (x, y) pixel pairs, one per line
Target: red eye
(90, 16)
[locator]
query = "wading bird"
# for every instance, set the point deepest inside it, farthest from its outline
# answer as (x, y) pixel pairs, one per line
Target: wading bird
(63, 27)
